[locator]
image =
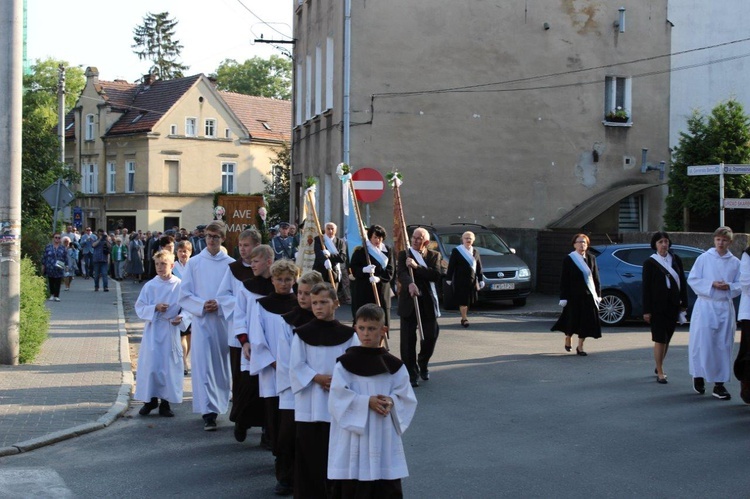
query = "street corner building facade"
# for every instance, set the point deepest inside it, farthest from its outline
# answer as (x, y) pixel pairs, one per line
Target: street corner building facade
(152, 154)
(534, 115)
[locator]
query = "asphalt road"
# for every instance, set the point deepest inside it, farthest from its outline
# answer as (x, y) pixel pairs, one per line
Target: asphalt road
(507, 413)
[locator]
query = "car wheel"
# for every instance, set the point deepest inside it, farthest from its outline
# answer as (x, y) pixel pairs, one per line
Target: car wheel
(613, 309)
(519, 302)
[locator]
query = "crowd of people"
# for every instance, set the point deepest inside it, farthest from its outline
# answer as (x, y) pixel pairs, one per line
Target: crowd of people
(263, 336)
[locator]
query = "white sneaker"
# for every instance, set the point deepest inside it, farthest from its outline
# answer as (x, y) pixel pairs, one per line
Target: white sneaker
(57, 299)
(50, 298)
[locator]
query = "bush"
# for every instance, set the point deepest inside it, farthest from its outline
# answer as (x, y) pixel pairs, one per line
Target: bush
(34, 316)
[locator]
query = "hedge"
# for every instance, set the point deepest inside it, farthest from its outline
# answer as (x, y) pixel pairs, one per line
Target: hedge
(34, 315)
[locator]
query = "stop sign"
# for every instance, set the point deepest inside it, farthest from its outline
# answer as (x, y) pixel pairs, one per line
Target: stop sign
(369, 185)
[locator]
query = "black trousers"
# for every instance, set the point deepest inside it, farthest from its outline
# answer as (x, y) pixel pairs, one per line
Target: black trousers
(311, 460)
(408, 343)
(376, 489)
(54, 286)
(285, 442)
(248, 409)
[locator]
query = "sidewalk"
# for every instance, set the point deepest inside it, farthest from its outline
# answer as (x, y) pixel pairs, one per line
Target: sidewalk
(81, 380)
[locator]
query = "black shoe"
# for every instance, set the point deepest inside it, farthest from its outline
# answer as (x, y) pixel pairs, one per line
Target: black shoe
(185, 372)
(240, 433)
(165, 410)
(721, 393)
(149, 406)
(662, 381)
(424, 373)
(106, 290)
(283, 489)
(581, 352)
(699, 385)
(209, 421)
(414, 382)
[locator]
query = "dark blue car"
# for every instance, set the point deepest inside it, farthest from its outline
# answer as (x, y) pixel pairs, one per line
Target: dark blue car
(621, 277)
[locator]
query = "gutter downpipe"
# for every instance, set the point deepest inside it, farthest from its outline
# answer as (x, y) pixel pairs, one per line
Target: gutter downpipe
(347, 80)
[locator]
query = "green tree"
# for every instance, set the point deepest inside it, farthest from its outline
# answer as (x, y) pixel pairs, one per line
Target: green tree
(40, 156)
(722, 137)
(270, 77)
(277, 191)
(155, 41)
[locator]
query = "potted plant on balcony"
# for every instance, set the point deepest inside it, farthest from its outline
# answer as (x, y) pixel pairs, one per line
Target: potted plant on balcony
(618, 115)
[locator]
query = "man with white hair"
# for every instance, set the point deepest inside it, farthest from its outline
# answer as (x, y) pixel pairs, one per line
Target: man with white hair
(419, 271)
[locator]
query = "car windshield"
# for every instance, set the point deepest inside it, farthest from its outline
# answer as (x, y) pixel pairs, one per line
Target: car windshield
(486, 243)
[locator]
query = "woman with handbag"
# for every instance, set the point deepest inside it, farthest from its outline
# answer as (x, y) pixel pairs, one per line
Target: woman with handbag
(464, 275)
(53, 265)
(665, 297)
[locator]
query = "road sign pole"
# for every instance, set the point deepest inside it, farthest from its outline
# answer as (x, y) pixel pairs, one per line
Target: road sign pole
(721, 196)
(57, 205)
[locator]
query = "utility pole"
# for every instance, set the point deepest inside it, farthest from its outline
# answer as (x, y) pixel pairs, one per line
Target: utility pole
(11, 86)
(61, 136)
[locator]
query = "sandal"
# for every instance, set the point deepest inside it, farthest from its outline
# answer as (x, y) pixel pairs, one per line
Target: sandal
(465, 322)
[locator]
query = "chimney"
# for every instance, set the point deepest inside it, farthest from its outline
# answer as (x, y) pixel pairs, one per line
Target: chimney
(92, 75)
(149, 79)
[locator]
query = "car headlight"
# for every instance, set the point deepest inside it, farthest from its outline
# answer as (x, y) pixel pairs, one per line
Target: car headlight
(524, 272)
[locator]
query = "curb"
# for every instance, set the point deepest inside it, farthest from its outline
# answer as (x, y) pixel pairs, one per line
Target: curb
(118, 407)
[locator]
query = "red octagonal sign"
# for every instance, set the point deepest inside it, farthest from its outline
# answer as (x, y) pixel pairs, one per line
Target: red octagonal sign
(369, 184)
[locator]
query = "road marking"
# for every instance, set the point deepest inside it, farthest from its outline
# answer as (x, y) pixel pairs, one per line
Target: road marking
(32, 482)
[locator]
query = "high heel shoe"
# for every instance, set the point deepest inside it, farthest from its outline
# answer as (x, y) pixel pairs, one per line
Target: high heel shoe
(567, 347)
(581, 352)
(465, 322)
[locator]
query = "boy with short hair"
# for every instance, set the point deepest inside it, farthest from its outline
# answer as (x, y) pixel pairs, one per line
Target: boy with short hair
(315, 348)
(159, 374)
(371, 403)
(248, 409)
(266, 325)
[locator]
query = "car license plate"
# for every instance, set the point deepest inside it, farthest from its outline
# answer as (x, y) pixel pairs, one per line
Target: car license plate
(503, 285)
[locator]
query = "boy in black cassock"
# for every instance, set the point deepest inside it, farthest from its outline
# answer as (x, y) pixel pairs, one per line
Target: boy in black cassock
(266, 326)
(315, 348)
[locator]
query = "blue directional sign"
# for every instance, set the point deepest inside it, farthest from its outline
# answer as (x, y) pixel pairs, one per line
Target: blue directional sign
(703, 170)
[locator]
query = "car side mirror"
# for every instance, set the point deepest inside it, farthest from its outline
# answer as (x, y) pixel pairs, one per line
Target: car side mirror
(513, 250)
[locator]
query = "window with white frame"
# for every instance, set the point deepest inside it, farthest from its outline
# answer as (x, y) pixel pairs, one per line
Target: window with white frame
(329, 73)
(618, 99)
(227, 177)
(172, 129)
(299, 95)
(209, 130)
(89, 127)
(89, 178)
(130, 176)
(111, 176)
(318, 79)
(190, 124)
(308, 87)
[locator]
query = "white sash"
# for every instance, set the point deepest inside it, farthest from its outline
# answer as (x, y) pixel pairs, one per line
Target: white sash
(581, 264)
(663, 262)
(329, 245)
(467, 256)
(378, 254)
(418, 257)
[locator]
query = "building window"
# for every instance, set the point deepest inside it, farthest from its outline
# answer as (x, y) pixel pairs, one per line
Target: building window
(617, 99)
(89, 178)
(329, 73)
(227, 177)
(227, 133)
(190, 127)
(299, 96)
(172, 129)
(89, 127)
(130, 176)
(318, 80)
(308, 87)
(210, 128)
(111, 175)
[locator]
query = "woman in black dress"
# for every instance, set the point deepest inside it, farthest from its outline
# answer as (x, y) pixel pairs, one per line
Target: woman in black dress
(465, 275)
(580, 295)
(664, 297)
(379, 272)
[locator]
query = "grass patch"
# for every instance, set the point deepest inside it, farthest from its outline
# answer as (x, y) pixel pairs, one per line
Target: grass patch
(34, 316)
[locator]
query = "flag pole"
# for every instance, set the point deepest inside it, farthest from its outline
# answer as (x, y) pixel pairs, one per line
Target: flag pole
(396, 181)
(320, 232)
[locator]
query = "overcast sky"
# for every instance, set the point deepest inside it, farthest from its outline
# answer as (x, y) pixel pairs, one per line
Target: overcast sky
(100, 33)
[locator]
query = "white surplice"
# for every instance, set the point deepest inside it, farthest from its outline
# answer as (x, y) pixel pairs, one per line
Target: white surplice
(283, 383)
(243, 312)
(364, 445)
(209, 348)
(160, 356)
(712, 324)
(229, 291)
(310, 399)
(265, 329)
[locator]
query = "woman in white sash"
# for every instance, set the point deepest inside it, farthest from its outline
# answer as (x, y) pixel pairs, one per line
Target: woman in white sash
(580, 295)
(664, 297)
(465, 275)
(379, 272)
